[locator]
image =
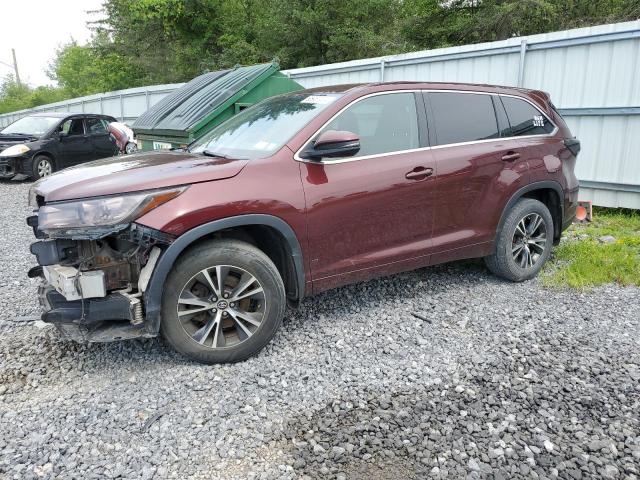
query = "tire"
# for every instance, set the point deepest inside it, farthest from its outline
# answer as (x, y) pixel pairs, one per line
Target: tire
(130, 148)
(509, 259)
(41, 166)
(239, 329)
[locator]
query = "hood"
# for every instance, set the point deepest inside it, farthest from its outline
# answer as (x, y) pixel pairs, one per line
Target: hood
(132, 173)
(6, 140)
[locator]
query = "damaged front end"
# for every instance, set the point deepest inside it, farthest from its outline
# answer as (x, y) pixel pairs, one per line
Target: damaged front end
(96, 262)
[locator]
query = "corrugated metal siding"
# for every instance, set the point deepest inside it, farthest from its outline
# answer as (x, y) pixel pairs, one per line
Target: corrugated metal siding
(584, 70)
(125, 105)
(150, 119)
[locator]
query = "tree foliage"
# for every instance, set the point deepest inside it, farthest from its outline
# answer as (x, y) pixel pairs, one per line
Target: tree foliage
(14, 96)
(83, 69)
(144, 42)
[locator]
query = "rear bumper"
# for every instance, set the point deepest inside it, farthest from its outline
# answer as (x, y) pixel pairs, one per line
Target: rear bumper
(570, 206)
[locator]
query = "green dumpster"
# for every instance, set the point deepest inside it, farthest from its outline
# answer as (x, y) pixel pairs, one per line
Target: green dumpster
(206, 101)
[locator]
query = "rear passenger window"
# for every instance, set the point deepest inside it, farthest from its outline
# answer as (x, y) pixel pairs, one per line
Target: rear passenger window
(96, 126)
(525, 119)
(463, 117)
(385, 123)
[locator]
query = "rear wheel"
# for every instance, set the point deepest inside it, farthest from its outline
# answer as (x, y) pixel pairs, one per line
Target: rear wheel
(223, 302)
(42, 166)
(130, 148)
(524, 243)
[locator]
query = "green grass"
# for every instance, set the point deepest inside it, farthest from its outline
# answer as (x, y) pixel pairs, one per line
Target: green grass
(581, 261)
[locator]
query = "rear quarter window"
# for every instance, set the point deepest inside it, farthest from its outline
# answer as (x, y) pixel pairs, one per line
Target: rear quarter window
(525, 119)
(463, 117)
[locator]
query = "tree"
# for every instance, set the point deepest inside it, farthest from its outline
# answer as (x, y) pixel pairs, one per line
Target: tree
(434, 23)
(14, 96)
(303, 33)
(86, 69)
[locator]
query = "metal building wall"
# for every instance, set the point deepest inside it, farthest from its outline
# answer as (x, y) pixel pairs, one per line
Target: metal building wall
(125, 105)
(592, 74)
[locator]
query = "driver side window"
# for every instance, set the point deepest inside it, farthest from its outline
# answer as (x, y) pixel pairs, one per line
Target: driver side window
(73, 126)
(385, 123)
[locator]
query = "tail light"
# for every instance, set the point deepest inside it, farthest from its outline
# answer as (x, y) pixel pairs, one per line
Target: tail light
(573, 144)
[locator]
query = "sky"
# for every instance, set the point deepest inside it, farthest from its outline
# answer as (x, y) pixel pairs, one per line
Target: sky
(36, 28)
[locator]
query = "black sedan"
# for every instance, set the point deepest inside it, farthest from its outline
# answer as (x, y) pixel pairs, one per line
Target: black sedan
(39, 144)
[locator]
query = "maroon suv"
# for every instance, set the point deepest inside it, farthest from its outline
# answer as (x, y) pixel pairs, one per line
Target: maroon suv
(298, 194)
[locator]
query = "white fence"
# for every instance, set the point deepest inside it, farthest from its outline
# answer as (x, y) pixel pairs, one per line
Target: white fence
(592, 74)
(125, 105)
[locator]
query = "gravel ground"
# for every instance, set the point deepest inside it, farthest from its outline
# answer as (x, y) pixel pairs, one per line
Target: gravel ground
(487, 380)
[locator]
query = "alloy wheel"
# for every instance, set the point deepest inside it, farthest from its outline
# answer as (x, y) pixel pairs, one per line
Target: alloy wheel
(529, 240)
(221, 306)
(44, 168)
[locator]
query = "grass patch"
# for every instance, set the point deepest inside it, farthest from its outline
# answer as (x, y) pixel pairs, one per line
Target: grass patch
(582, 261)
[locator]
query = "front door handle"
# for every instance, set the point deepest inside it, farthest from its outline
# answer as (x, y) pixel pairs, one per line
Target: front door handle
(510, 156)
(419, 173)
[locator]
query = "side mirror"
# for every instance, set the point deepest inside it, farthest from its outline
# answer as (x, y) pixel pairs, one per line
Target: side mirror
(333, 144)
(62, 135)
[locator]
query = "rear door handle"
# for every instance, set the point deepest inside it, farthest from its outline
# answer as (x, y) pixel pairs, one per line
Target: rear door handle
(510, 156)
(419, 173)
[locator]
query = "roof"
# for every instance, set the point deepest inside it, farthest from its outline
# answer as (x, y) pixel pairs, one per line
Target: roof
(335, 88)
(417, 84)
(188, 105)
(50, 114)
(66, 114)
(539, 96)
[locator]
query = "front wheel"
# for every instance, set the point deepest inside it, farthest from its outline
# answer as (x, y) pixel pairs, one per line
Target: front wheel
(42, 167)
(223, 302)
(524, 243)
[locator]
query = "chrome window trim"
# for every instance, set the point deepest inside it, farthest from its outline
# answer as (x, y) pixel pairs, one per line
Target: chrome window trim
(364, 157)
(434, 147)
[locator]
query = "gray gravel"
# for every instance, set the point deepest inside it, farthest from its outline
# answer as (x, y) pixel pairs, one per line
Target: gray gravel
(444, 372)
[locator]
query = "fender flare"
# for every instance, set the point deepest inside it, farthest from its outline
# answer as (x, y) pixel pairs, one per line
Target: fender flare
(530, 188)
(45, 153)
(153, 293)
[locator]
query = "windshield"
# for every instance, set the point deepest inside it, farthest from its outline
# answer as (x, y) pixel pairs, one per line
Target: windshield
(262, 129)
(31, 125)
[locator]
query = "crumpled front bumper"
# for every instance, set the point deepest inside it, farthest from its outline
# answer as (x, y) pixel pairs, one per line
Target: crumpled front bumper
(106, 319)
(103, 302)
(11, 167)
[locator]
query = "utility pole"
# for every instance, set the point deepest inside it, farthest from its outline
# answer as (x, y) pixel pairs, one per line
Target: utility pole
(15, 66)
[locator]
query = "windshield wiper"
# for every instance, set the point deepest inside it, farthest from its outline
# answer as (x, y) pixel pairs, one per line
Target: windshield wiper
(210, 153)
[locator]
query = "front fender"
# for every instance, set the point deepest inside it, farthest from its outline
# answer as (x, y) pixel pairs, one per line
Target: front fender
(155, 288)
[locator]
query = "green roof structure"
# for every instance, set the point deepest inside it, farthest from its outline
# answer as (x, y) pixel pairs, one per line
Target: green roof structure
(206, 101)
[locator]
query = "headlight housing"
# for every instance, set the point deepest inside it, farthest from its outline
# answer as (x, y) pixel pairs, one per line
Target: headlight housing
(64, 219)
(14, 150)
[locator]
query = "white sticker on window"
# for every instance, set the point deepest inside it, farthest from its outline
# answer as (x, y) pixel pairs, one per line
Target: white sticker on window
(538, 121)
(318, 99)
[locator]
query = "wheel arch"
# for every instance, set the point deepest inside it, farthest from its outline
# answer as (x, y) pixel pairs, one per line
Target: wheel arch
(41, 153)
(256, 227)
(548, 192)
